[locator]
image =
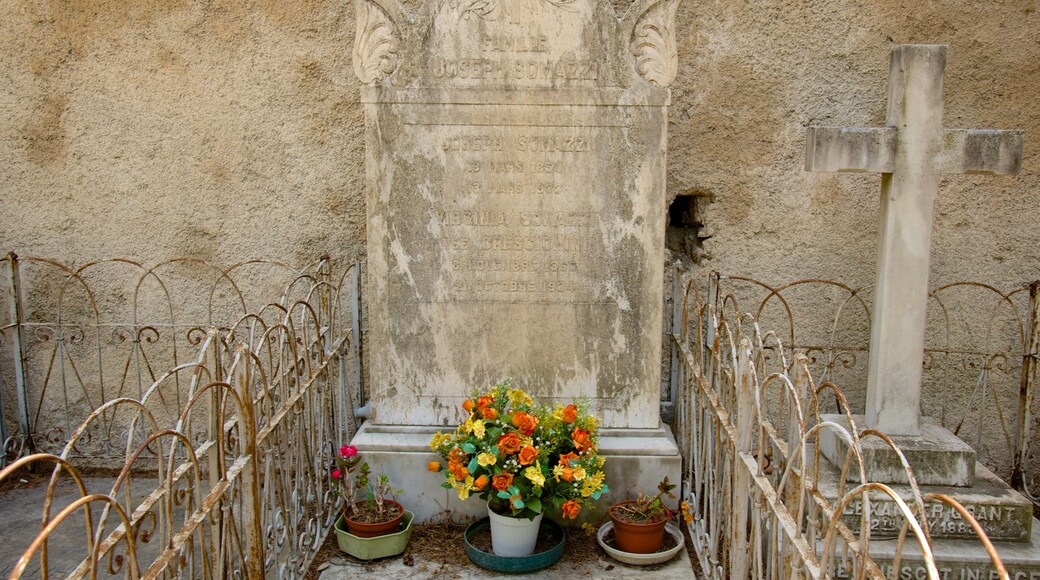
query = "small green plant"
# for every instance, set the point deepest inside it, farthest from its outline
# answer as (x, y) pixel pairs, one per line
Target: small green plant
(648, 509)
(366, 498)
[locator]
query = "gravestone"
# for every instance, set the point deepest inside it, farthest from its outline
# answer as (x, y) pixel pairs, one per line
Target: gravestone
(515, 163)
(912, 152)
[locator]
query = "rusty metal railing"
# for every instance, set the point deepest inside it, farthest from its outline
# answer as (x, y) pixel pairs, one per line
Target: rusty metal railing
(748, 421)
(223, 459)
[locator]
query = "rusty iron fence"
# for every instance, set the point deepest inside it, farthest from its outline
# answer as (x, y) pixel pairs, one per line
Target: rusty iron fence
(222, 430)
(748, 408)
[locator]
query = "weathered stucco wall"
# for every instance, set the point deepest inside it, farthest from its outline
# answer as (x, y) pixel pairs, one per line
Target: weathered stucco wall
(754, 75)
(152, 130)
(232, 130)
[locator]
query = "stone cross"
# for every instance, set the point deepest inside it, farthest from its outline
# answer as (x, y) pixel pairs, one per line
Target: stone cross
(911, 153)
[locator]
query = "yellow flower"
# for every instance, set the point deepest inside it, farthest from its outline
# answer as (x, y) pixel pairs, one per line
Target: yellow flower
(558, 413)
(485, 459)
(478, 428)
(557, 471)
(601, 460)
(439, 439)
(534, 475)
(467, 427)
(592, 484)
(465, 488)
(579, 473)
(518, 397)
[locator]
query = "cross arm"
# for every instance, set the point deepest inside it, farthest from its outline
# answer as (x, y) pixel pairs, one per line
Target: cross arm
(981, 151)
(851, 149)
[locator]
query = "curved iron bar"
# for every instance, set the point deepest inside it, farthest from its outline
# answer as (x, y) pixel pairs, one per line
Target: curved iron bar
(863, 490)
(49, 528)
(60, 464)
(976, 527)
(911, 478)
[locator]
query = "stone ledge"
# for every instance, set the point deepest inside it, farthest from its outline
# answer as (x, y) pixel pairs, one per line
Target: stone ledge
(937, 457)
(637, 459)
(957, 559)
(1004, 514)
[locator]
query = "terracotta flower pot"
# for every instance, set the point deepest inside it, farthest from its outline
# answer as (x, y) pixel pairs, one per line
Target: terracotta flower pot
(638, 538)
(365, 530)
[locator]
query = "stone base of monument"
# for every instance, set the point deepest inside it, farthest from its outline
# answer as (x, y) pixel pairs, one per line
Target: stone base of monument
(942, 463)
(955, 559)
(637, 459)
(1003, 513)
(937, 456)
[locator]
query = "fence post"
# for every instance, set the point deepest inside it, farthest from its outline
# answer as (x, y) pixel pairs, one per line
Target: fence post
(20, 354)
(215, 434)
(675, 332)
(801, 388)
(740, 559)
(325, 276)
(251, 510)
(793, 496)
(1027, 385)
(355, 331)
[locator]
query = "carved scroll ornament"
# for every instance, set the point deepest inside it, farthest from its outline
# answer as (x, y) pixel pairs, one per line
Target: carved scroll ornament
(653, 43)
(376, 43)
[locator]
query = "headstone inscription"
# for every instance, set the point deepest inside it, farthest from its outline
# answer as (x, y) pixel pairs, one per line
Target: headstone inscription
(515, 169)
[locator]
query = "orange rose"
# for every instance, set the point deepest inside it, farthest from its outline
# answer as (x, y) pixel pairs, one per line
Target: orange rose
(484, 402)
(565, 460)
(481, 482)
(581, 440)
(457, 455)
(460, 473)
(528, 455)
(570, 413)
(468, 405)
(567, 474)
(509, 443)
(525, 422)
(489, 413)
(503, 481)
(433, 466)
(570, 509)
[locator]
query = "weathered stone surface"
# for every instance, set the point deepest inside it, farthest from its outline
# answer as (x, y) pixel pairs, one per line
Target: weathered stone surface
(912, 151)
(516, 157)
(1002, 512)
(937, 456)
(957, 559)
(231, 131)
(637, 460)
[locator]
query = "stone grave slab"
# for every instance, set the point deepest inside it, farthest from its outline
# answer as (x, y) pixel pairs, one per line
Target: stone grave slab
(515, 176)
(1002, 512)
(937, 456)
(956, 559)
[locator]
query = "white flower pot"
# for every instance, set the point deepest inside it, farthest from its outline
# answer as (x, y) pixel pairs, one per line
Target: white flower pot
(511, 537)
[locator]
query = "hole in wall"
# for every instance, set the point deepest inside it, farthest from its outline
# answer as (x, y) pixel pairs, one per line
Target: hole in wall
(685, 232)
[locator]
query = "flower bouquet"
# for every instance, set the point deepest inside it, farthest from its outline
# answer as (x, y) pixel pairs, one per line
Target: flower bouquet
(522, 458)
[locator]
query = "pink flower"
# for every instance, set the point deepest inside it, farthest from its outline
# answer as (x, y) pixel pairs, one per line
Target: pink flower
(336, 474)
(349, 451)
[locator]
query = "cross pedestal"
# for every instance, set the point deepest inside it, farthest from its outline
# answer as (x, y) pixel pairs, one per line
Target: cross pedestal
(911, 152)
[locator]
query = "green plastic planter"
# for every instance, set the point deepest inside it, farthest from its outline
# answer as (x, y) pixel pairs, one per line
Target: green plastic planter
(518, 564)
(378, 547)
